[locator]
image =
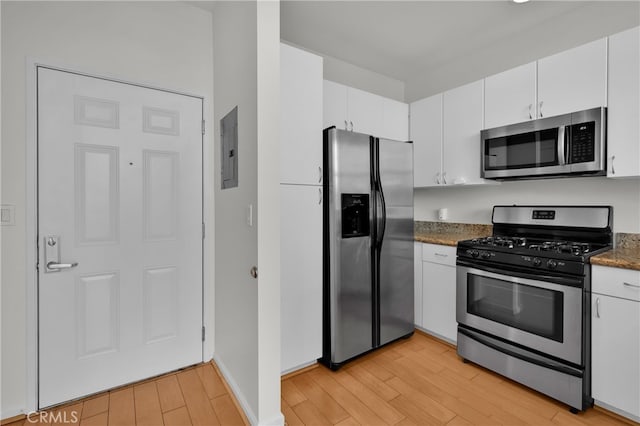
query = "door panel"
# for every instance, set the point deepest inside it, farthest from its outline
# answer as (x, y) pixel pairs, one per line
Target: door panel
(120, 187)
(350, 257)
(396, 253)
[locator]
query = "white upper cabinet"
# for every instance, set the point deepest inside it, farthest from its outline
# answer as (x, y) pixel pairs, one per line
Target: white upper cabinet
(353, 109)
(301, 117)
(623, 118)
(462, 121)
(573, 80)
(334, 107)
(395, 120)
(365, 112)
(445, 130)
(510, 97)
(425, 130)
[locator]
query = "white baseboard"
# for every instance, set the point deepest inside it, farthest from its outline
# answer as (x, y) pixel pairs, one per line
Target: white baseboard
(298, 367)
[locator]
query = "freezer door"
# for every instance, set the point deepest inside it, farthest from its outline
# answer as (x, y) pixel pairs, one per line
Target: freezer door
(395, 240)
(349, 241)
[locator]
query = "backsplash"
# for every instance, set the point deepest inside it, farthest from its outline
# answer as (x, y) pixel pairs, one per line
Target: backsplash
(626, 240)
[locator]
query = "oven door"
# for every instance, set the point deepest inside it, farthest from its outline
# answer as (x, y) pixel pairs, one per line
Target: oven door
(537, 313)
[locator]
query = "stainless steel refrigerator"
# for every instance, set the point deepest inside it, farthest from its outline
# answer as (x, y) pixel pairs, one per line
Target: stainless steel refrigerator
(367, 244)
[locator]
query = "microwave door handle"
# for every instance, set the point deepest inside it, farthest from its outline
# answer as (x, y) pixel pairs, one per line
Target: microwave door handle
(561, 146)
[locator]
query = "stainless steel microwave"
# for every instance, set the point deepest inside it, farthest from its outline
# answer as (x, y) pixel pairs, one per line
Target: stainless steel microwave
(569, 144)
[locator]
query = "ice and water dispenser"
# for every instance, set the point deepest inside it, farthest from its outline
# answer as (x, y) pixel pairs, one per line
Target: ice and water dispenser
(355, 215)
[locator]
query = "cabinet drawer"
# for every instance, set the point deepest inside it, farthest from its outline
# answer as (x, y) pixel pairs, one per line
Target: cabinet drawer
(617, 282)
(445, 255)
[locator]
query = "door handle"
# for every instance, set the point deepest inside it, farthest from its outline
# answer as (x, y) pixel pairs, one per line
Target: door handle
(613, 170)
(254, 272)
(319, 195)
(351, 129)
(319, 174)
(530, 114)
(540, 109)
(598, 307)
(57, 266)
(52, 256)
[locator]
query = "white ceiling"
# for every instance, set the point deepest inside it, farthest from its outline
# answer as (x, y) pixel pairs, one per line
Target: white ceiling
(403, 39)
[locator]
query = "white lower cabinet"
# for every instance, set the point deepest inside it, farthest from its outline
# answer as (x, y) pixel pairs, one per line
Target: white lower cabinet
(615, 313)
(439, 291)
(300, 275)
(417, 283)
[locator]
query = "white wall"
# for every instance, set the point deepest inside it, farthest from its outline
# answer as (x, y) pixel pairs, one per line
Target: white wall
(269, 213)
(591, 21)
(473, 204)
(246, 74)
(164, 44)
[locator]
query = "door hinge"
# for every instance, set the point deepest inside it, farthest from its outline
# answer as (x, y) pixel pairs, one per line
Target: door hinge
(203, 333)
(203, 230)
(203, 127)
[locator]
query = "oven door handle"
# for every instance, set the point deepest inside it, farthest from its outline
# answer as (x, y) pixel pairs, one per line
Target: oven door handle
(516, 352)
(512, 272)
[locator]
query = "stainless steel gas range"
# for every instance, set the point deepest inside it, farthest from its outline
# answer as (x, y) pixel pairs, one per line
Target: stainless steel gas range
(523, 297)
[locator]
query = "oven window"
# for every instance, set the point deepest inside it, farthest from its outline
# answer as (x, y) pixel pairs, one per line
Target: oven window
(532, 309)
(526, 150)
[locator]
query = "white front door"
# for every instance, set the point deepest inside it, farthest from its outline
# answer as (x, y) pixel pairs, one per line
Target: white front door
(120, 194)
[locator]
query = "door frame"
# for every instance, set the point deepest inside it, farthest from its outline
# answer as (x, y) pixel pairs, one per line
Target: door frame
(31, 215)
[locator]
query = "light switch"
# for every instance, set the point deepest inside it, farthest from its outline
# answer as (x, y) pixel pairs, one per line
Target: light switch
(250, 215)
(8, 215)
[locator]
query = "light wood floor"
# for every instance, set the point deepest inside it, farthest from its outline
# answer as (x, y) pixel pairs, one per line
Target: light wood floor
(194, 396)
(419, 381)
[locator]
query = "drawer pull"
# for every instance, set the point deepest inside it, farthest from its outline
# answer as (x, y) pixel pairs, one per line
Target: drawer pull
(631, 285)
(446, 255)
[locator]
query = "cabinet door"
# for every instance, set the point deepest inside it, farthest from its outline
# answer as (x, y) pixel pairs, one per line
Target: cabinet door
(510, 97)
(395, 120)
(365, 112)
(417, 283)
(623, 118)
(425, 130)
(439, 300)
(573, 80)
(462, 112)
(301, 116)
(616, 353)
(334, 106)
(301, 275)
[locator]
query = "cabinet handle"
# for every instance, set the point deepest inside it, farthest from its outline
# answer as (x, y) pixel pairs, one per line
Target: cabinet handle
(613, 170)
(441, 255)
(530, 114)
(598, 307)
(444, 178)
(438, 178)
(319, 174)
(540, 109)
(630, 285)
(351, 122)
(319, 195)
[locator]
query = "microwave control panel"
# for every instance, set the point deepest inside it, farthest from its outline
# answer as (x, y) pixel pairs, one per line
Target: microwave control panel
(583, 142)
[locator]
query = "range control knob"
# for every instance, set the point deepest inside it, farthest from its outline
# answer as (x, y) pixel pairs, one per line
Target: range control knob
(551, 264)
(485, 254)
(536, 261)
(473, 253)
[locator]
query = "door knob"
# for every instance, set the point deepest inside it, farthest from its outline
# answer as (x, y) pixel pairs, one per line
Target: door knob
(254, 272)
